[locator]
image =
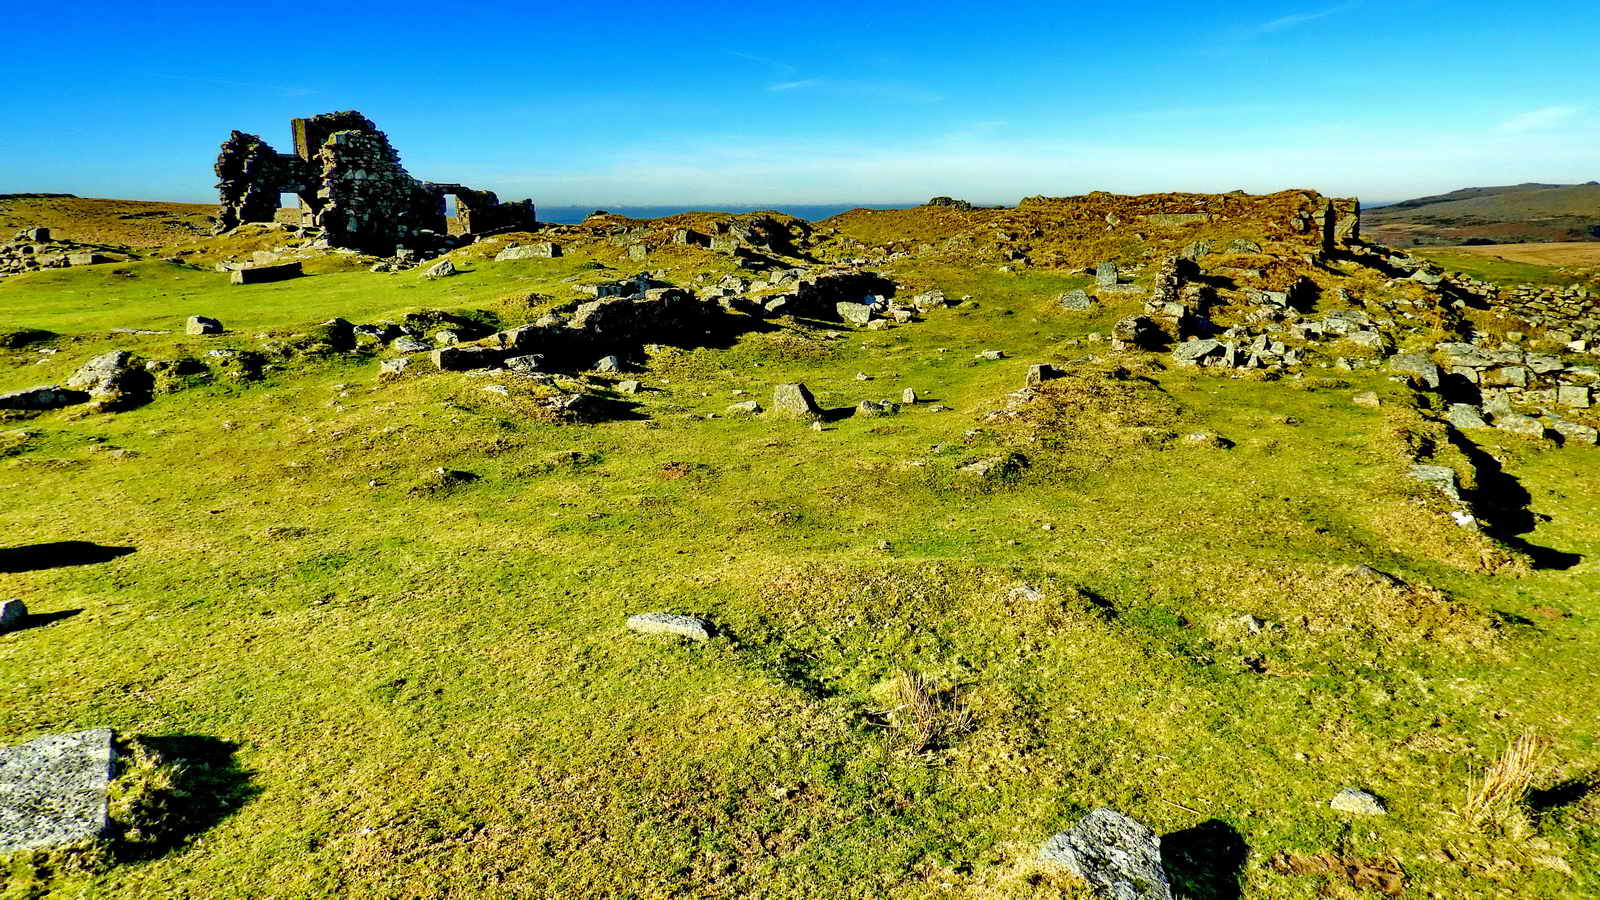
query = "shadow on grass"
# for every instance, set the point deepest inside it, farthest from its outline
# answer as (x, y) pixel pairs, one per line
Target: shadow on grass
(39, 620)
(1206, 861)
(1501, 503)
(57, 555)
(189, 785)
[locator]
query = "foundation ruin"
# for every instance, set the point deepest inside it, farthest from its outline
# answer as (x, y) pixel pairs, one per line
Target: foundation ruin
(352, 186)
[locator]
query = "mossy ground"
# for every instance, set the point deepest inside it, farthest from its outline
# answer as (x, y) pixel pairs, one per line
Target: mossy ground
(432, 692)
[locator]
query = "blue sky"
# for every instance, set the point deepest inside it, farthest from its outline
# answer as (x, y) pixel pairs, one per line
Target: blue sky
(713, 102)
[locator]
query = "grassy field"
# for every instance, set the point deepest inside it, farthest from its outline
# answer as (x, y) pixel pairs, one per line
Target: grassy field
(1569, 253)
(392, 686)
(1508, 264)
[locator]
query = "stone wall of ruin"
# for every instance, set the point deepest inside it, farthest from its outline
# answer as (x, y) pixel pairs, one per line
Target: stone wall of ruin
(353, 186)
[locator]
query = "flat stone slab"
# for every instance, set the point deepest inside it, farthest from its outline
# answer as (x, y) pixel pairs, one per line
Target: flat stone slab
(53, 790)
(1119, 857)
(263, 274)
(669, 623)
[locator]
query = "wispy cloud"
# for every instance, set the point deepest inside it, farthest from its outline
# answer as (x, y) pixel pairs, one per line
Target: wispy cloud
(887, 91)
(795, 85)
(1295, 20)
(1539, 119)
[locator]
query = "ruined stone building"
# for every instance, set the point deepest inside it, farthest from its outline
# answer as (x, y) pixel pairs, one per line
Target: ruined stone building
(351, 185)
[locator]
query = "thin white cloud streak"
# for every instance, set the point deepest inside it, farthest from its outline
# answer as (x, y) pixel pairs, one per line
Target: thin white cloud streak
(1539, 119)
(888, 91)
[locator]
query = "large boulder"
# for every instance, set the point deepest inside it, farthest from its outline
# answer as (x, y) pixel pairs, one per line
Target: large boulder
(1119, 857)
(1416, 364)
(113, 380)
(854, 313)
(795, 401)
(53, 790)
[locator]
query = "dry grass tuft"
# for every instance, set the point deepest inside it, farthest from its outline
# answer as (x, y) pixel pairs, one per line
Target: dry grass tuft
(1498, 801)
(927, 715)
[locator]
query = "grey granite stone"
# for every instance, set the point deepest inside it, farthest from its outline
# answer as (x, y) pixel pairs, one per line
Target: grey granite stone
(53, 790)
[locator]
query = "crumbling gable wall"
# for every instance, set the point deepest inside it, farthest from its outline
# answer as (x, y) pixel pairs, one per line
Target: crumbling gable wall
(351, 181)
(251, 177)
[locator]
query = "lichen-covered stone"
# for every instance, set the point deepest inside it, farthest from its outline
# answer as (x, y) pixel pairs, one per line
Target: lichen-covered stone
(669, 623)
(53, 790)
(1119, 857)
(795, 400)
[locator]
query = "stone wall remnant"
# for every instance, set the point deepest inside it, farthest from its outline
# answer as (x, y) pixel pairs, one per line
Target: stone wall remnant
(351, 185)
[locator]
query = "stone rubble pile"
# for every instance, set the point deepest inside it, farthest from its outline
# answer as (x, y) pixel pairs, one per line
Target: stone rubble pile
(33, 249)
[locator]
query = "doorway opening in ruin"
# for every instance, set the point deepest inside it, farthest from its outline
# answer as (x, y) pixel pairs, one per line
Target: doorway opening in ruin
(452, 215)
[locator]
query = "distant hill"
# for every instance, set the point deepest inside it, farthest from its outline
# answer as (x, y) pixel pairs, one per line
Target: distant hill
(1509, 214)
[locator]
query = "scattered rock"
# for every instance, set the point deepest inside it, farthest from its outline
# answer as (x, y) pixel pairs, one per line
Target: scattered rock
(12, 612)
(669, 623)
(408, 344)
(795, 400)
(444, 268)
(854, 313)
(991, 355)
(1040, 373)
(526, 364)
(53, 790)
(872, 409)
(1358, 802)
(393, 368)
(1118, 856)
(629, 387)
(1441, 478)
(1520, 424)
(1077, 301)
(528, 251)
(1416, 364)
(608, 364)
(463, 359)
(202, 325)
(908, 397)
(747, 407)
(1465, 416)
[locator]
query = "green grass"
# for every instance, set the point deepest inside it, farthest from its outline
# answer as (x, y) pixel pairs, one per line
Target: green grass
(433, 694)
(1498, 271)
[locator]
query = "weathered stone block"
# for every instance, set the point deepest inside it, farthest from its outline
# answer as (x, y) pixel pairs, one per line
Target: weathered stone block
(53, 790)
(202, 325)
(1573, 396)
(795, 400)
(462, 359)
(264, 274)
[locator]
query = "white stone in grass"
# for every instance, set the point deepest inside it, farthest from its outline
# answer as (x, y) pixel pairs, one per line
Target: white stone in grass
(670, 623)
(1358, 802)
